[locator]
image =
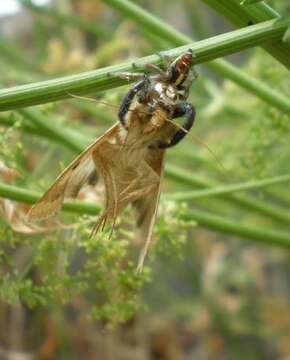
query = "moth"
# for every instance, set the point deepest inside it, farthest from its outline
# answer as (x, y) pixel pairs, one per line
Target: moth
(129, 156)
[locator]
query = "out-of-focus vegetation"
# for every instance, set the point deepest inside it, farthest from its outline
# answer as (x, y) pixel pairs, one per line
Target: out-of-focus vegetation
(216, 284)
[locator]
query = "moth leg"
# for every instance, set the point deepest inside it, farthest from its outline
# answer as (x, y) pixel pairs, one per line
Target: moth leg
(145, 181)
(156, 69)
(130, 186)
(182, 109)
(128, 98)
(134, 195)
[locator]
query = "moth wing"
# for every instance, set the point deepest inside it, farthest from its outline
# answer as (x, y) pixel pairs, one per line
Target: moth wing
(70, 181)
(147, 206)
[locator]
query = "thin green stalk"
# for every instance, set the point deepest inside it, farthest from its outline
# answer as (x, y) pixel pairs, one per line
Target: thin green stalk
(253, 14)
(29, 128)
(223, 225)
(8, 120)
(205, 219)
(178, 174)
(30, 197)
(98, 80)
(70, 138)
(228, 189)
(280, 195)
(150, 23)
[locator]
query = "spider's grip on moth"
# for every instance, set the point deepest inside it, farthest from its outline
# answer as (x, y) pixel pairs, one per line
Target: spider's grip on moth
(128, 99)
(182, 109)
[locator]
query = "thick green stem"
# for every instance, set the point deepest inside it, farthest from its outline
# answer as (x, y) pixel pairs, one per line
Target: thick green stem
(99, 80)
(154, 25)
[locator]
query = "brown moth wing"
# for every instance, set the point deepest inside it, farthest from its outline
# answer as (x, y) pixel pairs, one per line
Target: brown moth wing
(69, 182)
(126, 174)
(146, 207)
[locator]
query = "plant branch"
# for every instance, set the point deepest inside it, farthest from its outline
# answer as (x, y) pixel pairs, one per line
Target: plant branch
(152, 24)
(103, 79)
(247, 232)
(205, 219)
(30, 197)
(229, 188)
(178, 174)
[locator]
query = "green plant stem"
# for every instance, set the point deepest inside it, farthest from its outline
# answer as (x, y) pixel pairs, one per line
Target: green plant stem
(223, 225)
(253, 14)
(227, 189)
(7, 120)
(30, 197)
(152, 24)
(63, 134)
(205, 219)
(178, 174)
(98, 80)
(280, 195)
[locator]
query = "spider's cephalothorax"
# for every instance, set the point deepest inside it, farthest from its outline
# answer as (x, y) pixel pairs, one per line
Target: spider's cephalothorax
(167, 90)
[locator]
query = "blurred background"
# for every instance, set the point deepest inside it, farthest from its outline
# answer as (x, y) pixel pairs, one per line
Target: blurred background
(205, 293)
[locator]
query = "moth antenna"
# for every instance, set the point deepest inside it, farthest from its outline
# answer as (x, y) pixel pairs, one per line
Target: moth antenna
(198, 140)
(104, 103)
(93, 100)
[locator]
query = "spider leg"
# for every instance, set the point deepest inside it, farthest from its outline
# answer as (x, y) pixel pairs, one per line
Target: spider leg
(130, 76)
(128, 99)
(166, 60)
(156, 69)
(182, 109)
